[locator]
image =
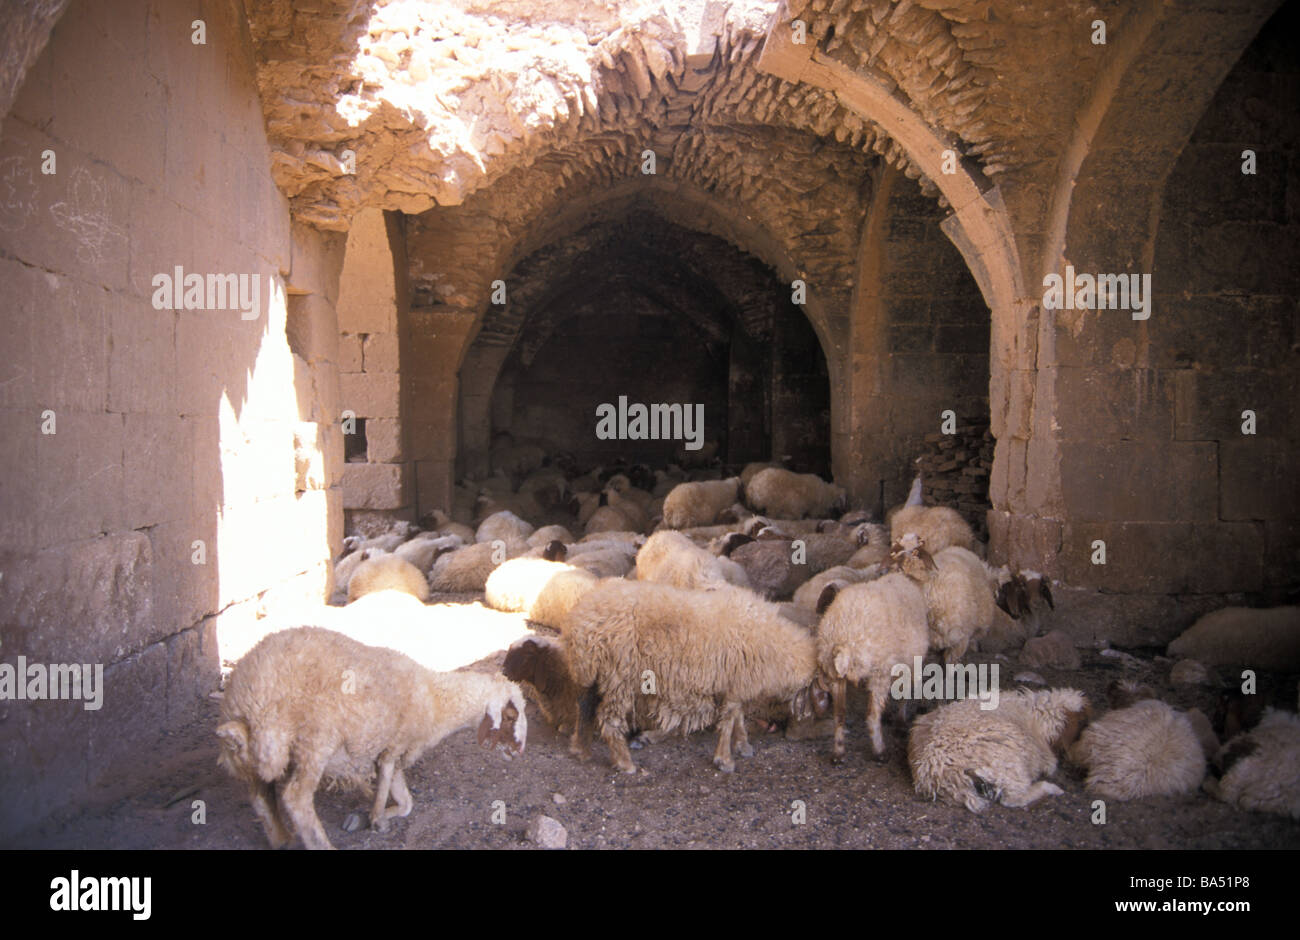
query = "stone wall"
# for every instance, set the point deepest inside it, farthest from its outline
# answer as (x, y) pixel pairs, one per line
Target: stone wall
(185, 486)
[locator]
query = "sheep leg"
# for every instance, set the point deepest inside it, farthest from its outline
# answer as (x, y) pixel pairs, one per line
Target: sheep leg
(583, 724)
(722, 756)
(1023, 796)
(877, 696)
(616, 740)
(299, 803)
(402, 794)
(741, 737)
(838, 706)
(262, 797)
(379, 813)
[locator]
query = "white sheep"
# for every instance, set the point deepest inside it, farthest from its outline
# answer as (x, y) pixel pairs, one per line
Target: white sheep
(423, 550)
(544, 590)
(505, 526)
(346, 566)
(1262, 638)
(549, 533)
(1261, 768)
(668, 557)
(786, 495)
(1146, 749)
(441, 524)
(467, 569)
(958, 597)
(975, 756)
(699, 502)
(865, 631)
(707, 653)
(387, 573)
(938, 526)
(309, 703)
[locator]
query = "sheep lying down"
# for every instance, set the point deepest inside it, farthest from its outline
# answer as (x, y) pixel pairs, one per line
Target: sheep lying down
(309, 703)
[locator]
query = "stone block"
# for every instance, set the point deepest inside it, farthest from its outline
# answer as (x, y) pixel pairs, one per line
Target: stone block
(1165, 558)
(184, 592)
(373, 486)
(20, 429)
(85, 601)
(349, 353)
(1257, 479)
(370, 395)
(1135, 481)
(157, 469)
(1095, 619)
(1209, 405)
(384, 440)
(72, 221)
(381, 352)
(1123, 404)
(142, 363)
(80, 472)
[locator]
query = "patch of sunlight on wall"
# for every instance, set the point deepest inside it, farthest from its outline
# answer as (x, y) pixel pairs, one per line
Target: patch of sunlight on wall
(272, 544)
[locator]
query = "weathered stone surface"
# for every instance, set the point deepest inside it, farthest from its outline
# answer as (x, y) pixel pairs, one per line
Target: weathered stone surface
(370, 395)
(373, 486)
(88, 601)
(381, 352)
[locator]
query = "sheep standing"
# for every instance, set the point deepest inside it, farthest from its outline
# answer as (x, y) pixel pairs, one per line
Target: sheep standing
(957, 593)
(1146, 749)
(866, 631)
(788, 495)
(1261, 768)
(708, 652)
(699, 502)
(974, 756)
(387, 573)
(309, 703)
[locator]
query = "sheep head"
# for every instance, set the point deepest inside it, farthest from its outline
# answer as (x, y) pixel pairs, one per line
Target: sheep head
(812, 701)
(504, 725)
(555, 550)
(909, 556)
(234, 757)
(731, 541)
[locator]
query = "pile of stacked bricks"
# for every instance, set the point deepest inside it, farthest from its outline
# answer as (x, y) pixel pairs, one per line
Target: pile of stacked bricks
(955, 471)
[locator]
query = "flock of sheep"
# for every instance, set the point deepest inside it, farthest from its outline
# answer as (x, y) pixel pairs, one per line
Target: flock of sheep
(691, 601)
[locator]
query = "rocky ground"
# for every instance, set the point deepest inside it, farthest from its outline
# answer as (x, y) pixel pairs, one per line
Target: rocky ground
(678, 799)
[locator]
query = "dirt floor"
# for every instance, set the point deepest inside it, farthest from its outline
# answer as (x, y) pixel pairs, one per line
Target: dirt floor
(678, 799)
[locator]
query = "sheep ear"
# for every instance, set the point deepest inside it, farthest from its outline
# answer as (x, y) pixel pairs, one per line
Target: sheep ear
(1045, 589)
(927, 559)
(485, 730)
(827, 597)
(841, 660)
(1006, 601)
